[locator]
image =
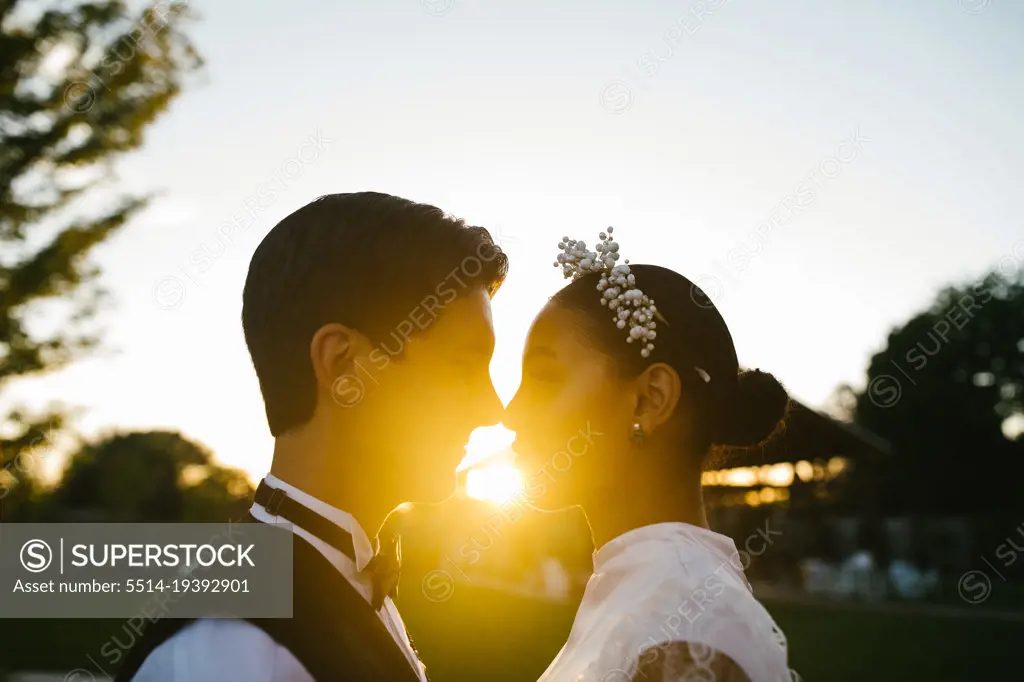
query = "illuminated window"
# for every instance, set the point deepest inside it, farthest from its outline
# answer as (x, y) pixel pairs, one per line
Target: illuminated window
(804, 470)
(836, 466)
(778, 475)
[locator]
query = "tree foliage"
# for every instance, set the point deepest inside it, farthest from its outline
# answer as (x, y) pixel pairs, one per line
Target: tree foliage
(147, 476)
(80, 83)
(943, 391)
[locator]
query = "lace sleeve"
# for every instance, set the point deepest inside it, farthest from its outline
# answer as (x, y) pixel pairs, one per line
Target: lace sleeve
(686, 662)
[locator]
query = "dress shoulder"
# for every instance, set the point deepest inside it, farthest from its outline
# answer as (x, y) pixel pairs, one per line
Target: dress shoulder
(701, 621)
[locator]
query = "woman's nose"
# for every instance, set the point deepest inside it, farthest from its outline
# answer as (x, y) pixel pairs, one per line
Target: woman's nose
(511, 416)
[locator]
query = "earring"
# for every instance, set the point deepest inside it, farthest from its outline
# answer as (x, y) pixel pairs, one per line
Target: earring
(638, 434)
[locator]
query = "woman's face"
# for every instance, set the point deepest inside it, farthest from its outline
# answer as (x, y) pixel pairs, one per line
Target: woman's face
(571, 414)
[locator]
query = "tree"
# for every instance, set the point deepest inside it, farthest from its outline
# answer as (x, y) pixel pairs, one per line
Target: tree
(80, 83)
(942, 391)
(148, 476)
(19, 487)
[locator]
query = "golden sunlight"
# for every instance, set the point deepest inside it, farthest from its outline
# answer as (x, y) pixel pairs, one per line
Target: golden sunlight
(486, 443)
(494, 482)
(492, 475)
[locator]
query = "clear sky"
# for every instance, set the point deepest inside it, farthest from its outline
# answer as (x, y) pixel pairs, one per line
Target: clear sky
(895, 127)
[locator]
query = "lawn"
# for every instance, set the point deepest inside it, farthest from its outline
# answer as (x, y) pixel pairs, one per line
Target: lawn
(481, 634)
(836, 645)
(478, 635)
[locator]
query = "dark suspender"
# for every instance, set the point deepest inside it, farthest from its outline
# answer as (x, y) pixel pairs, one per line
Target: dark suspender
(334, 633)
(384, 568)
(277, 503)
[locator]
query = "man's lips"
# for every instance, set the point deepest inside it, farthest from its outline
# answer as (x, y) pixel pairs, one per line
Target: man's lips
(527, 459)
(520, 450)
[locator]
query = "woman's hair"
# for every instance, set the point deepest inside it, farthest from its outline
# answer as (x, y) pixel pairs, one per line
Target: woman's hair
(734, 408)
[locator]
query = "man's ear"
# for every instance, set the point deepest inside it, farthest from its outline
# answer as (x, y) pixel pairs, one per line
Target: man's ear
(333, 352)
(658, 392)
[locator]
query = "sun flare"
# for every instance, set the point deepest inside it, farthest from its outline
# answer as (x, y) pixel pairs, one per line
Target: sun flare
(491, 474)
(487, 443)
(496, 482)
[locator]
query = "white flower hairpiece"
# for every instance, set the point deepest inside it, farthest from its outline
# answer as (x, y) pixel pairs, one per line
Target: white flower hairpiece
(617, 286)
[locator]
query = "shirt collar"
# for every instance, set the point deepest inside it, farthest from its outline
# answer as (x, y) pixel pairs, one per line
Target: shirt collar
(360, 541)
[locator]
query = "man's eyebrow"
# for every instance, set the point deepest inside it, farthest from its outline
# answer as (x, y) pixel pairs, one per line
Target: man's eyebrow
(479, 348)
(539, 353)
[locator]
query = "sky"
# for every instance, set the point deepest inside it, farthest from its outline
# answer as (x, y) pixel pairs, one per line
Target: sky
(820, 168)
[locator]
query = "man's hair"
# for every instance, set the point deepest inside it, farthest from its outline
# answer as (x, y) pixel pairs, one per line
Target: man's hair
(364, 260)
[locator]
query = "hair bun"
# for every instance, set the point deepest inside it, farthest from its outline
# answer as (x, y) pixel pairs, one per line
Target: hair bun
(760, 407)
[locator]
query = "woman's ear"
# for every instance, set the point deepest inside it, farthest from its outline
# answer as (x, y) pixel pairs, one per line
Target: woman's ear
(658, 392)
(333, 352)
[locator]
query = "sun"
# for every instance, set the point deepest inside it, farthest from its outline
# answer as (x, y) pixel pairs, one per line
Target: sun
(491, 474)
(496, 482)
(486, 443)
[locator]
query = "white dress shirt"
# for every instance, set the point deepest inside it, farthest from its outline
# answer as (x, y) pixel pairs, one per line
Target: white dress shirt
(669, 582)
(214, 650)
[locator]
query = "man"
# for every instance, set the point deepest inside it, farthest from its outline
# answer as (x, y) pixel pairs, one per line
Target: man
(367, 317)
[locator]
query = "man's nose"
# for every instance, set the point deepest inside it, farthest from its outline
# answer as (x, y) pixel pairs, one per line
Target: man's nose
(490, 409)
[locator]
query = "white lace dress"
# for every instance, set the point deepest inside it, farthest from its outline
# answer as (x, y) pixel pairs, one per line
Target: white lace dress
(670, 602)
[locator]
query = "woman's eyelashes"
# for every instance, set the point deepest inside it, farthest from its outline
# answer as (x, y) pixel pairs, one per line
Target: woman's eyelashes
(544, 372)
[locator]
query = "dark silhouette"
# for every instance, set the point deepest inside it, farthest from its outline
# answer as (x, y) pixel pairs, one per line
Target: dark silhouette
(940, 392)
(145, 476)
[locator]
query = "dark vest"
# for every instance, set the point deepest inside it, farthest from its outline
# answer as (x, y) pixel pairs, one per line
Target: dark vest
(333, 632)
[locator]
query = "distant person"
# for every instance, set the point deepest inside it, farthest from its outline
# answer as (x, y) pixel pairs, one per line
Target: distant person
(629, 377)
(858, 576)
(863, 574)
(368, 321)
(819, 573)
(914, 579)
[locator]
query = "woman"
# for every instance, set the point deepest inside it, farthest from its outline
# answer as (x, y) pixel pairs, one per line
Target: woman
(621, 402)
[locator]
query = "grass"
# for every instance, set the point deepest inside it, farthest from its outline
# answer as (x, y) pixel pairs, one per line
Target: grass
(840, 645)
(482, 634)
(478, 635)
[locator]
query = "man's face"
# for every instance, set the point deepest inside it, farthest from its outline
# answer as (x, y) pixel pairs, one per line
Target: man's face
(422, 394)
